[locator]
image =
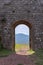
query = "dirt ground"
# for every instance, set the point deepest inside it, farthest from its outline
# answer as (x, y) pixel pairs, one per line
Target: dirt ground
(21, 57)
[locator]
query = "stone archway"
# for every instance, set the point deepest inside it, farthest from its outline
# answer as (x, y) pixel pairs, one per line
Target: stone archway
(13, 31)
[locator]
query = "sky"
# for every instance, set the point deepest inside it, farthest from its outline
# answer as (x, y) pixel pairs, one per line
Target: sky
(22, 29)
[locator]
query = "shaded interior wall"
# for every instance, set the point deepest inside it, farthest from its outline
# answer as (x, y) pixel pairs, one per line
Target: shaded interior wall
(28, 10)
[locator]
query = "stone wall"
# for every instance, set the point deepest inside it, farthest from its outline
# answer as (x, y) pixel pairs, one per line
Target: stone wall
(15, 10)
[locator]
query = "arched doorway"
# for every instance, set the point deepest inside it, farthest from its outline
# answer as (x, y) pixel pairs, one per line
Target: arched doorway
(13, 31)
(22, 38)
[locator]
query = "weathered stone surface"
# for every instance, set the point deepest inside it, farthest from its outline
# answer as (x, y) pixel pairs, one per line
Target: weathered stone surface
(16, 10)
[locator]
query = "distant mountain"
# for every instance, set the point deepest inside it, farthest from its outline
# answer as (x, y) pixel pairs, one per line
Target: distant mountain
(21, 39)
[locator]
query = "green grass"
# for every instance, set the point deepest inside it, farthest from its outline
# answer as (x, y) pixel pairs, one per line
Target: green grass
(31, 51)
(5, 52)
(39, 54)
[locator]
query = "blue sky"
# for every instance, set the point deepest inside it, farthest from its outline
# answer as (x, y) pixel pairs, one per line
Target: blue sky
(22, 29)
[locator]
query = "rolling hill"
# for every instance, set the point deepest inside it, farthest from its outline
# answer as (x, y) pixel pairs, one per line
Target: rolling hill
(21, 38)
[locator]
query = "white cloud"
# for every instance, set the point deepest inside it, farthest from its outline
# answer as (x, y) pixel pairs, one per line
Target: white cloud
(22, 29)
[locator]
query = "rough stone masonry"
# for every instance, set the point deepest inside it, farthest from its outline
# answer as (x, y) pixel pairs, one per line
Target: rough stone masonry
(16, 10)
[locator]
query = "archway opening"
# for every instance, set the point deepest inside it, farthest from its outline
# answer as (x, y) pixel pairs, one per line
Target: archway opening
(15, 25)
(22, 38)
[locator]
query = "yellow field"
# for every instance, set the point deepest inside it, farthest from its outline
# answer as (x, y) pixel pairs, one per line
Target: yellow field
(21, 47)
